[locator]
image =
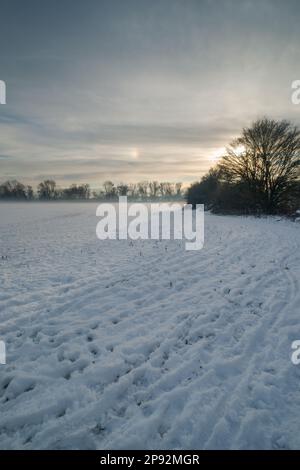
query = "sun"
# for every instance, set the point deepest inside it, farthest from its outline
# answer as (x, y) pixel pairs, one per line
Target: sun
(217, 154)
(239, 150)
(135, 153)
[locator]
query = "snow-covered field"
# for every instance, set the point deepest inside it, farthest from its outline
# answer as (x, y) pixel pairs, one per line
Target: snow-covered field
(114, 344)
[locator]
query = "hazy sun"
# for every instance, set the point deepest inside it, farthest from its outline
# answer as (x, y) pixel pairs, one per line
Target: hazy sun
(220, 152)
(239, 150)
(135, 153)
(217, 154)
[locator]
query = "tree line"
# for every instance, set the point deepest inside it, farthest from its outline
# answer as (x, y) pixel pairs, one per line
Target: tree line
(48, 190)
(258, 174)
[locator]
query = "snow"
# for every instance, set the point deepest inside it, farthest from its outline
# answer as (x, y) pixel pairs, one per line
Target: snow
(118, 344)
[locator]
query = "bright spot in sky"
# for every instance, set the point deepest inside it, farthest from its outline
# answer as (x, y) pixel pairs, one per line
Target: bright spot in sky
(135, 153)
(220, 152)
(217, 154)
(239, 150)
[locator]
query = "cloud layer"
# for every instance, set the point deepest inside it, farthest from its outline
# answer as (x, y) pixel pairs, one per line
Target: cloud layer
(137, 89)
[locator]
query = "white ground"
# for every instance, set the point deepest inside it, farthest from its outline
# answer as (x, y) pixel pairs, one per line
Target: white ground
(118, 345)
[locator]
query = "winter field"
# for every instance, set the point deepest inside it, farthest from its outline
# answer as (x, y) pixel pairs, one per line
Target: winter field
(119, 344)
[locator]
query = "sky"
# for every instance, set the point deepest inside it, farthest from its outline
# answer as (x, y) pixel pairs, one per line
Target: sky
(131, 90)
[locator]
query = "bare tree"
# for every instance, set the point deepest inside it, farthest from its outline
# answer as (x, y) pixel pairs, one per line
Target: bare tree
(142, 189)
(168, 189)
(267, 158)
(132, 190)
(178, 188)
(122, 189)
(75, 191)
(109, 189)
(154, 188)
(29, 192)
(47, 190)
(162, 189)
(13, 189)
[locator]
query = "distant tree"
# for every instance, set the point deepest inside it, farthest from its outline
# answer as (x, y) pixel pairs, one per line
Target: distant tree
(85, 191)
(178, 187)
(132, 190)
(98, 194)
(163, 188)
(168, 189)
(47, 190)
(29, 193)
(142, 188)
(122, 189)
(75, 191)
(153, 189)
(109, 189)
(13, 189)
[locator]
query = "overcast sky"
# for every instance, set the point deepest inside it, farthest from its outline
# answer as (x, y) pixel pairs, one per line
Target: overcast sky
(137, 89)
